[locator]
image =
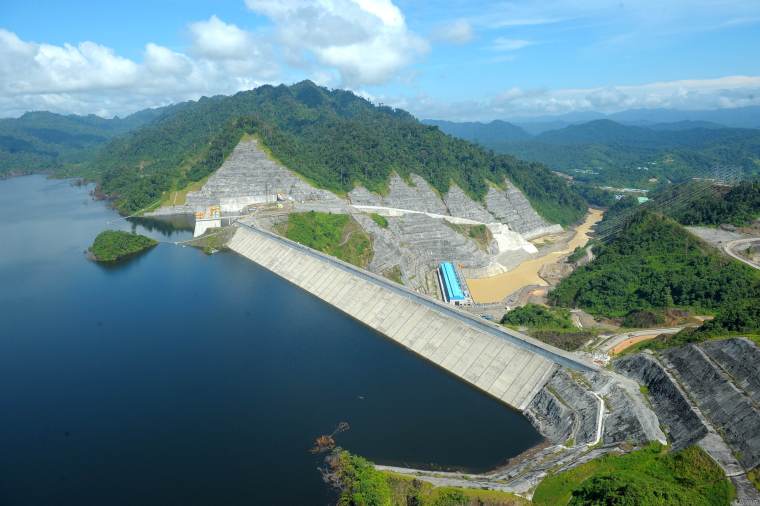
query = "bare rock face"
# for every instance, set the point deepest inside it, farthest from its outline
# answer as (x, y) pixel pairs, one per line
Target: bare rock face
(740, 358)
(680, 422)
(726, 401)
(565, 409)
(248, 173)
(462, 206)
(419, 196)
(511, 207)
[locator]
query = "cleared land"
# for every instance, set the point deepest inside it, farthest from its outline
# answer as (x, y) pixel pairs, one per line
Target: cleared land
(495, 288)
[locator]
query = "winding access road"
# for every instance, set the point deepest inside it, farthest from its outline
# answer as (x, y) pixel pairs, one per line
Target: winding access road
(730, 248)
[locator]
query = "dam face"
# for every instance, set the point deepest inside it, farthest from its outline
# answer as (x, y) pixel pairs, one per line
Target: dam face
(503, 365)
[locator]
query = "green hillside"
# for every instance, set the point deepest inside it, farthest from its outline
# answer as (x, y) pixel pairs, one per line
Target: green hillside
(48, 142)
(654, 263)
(334, 138)
(609, 153)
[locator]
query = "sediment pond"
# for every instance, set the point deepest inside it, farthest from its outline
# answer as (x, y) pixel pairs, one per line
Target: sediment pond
(182, 378)
(495, 288)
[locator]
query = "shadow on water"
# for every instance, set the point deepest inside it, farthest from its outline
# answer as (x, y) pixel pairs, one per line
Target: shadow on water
(168, 226)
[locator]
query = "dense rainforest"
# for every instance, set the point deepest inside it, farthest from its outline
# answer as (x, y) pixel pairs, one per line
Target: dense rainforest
(653, 263)
(334, 138)
(605, 152)
(694, 203)
(54, 143)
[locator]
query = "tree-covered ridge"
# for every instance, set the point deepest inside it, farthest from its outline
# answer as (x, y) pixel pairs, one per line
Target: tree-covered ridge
(606, 152)
(48, 142)
(653, 263)
(114, 245)
(739, 205)
(334, 138)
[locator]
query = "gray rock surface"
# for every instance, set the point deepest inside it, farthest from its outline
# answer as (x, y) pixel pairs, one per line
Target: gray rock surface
(462, 206)
(563, 398)
(419, 196)
(740, 358)
(679, 421)
(249, 172)
(730, 410)
(512, 207)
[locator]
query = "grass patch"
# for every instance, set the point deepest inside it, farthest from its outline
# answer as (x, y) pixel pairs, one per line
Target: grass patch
(478, 233)
(114, 245)
(651, 475)
(179, 197)
(362, 484)
(214, 239)
(551, 325)
(754, 477)
(380, 220)
(335, 234)
(568, 340)
(394, 274)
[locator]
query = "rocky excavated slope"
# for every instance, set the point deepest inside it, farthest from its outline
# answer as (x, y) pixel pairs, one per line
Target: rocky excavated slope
(417, 237)
(707, 394)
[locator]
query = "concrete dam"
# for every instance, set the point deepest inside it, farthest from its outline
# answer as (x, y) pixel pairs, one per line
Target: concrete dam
(505, 364)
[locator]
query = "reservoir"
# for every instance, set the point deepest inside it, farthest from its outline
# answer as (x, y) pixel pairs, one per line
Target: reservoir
(178, 378)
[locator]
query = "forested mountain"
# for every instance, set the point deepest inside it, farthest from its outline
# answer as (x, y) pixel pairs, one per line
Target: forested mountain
(47, 142)
(606, 152)
(653, 263)
(334, 138)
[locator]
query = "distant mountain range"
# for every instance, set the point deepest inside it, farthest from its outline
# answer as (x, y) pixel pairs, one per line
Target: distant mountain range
(740, 117)
(603, 151)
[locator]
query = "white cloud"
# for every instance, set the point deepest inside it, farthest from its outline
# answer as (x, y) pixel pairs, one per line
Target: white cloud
(458, 31)
(505, 44)
(366, 41)
(91, 78)
(215, 39)
(694, 94)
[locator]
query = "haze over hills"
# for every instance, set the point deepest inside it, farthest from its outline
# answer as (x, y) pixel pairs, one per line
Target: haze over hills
(739, 117)
(608, 152)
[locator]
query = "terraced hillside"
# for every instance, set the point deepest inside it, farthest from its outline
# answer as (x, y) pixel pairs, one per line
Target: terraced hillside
(333, 138)
(416, 236)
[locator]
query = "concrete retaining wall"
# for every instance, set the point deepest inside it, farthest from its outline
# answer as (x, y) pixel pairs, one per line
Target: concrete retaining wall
(500, 365)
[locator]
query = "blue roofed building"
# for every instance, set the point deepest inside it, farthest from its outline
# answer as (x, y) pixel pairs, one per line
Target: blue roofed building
(451, 287)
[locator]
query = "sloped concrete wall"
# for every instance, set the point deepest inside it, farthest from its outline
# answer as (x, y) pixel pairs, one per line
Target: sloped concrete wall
(501, 365)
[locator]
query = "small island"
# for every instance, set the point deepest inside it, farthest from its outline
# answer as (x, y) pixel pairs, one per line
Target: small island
(115, 245)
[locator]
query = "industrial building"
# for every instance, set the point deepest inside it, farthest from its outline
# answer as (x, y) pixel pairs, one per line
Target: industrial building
(452, 287)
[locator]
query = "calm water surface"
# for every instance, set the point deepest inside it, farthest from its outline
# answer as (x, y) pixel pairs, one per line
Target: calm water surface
(182, 379)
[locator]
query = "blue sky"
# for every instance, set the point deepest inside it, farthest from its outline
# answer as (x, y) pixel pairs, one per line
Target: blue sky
(455, 60)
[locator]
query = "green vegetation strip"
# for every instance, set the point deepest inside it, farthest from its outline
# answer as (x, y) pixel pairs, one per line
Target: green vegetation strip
(363, 485)
(648, 476)
(114, 245)
(335, 234)
(550, 325)
(380, 220)
(478, 233)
